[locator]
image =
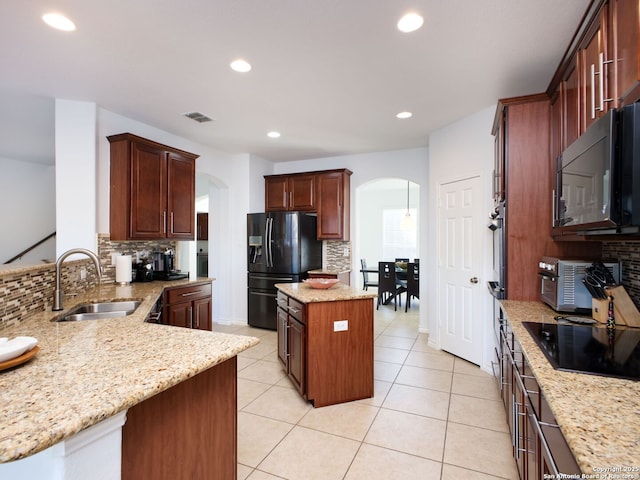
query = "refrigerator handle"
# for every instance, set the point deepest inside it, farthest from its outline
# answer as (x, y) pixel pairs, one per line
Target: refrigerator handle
(269, 235)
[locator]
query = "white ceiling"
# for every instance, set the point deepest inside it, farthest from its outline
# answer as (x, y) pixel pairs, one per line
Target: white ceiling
(329, 75)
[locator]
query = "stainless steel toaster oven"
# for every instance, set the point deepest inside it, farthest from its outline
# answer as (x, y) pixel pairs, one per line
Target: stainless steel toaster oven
(561, 285)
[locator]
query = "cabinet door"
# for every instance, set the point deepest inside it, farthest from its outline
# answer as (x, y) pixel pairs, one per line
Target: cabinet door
(202, 225)
(181, 180)
(281, 321)
(148, 212)
(297, 353)
(333, 211)
(275, 194)
(626, 17)
(595, 76)
(302, 193)
(498, 162)
(179, 314)
(202, 313)
(571, 105)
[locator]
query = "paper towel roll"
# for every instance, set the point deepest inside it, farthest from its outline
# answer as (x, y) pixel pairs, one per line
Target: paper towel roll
(123, 269)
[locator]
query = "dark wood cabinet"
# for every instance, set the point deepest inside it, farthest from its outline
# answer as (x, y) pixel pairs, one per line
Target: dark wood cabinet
(202, 226)
(296, 192)
(325, 192)
(333, 189)
(292, 339)
(188, 306)
(625, 20)
(152, 190)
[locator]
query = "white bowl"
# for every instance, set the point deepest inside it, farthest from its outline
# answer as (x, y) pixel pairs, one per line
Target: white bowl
(15, 347)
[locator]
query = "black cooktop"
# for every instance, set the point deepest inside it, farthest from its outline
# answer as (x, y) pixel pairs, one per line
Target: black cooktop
(589, 349)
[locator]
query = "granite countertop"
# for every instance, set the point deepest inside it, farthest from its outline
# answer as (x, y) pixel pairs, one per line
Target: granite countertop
(328, 271)
(88, 371)
(599, 416)
(306, 294)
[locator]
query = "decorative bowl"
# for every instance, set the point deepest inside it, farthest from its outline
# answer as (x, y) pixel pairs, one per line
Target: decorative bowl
(321, 283)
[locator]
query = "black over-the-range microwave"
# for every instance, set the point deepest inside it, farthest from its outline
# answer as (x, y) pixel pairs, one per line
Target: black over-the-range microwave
(598, 177)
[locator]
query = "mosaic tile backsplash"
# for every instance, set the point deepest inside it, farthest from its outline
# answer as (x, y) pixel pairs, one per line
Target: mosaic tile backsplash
(629, 254)
(334, 258)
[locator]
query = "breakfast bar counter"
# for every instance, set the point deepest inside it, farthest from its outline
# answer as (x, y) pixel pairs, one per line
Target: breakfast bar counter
(598, 415)
(86, 372)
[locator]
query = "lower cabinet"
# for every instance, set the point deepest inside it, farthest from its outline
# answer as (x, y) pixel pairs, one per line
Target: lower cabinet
(188, 306)
(539, 447)
(292, 339)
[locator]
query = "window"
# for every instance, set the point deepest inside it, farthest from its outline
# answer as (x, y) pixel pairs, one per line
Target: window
(399, 234)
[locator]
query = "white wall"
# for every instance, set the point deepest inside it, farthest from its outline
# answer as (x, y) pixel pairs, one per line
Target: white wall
(75, 124)
(31, 186)
(461, 150)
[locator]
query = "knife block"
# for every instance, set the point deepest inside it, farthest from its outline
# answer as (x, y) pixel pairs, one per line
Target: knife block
(624, 310)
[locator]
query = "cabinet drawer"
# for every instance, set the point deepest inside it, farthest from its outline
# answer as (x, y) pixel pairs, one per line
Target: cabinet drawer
(296, 310)
(282, 300)
(188, 293)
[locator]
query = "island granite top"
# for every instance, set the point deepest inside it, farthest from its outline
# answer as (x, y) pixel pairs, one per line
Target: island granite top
(306, 294)
(88, 371)
(598, 416)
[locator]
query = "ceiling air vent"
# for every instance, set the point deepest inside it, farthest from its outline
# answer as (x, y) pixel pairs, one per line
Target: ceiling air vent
(198, 117)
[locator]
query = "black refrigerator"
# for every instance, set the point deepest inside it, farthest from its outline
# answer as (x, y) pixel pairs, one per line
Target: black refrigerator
(282, 248)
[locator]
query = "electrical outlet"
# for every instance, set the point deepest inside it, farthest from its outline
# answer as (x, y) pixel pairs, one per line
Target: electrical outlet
(341, 325)
(113, 259)
(83, 273)
(345, 252)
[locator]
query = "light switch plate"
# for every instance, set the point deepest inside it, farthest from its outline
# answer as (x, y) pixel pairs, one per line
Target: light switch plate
(341, 325)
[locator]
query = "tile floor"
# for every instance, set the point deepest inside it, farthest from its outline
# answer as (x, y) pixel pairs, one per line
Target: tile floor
(433, 416)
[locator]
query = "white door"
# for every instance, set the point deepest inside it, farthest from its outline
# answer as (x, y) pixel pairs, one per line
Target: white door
(459, 267)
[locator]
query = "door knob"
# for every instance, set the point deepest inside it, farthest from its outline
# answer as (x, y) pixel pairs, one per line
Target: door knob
(473, 280)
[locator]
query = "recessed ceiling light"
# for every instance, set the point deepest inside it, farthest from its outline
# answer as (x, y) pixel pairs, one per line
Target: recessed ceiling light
(240, 65)
(404, 115)
(59, 22)
(410, 22)
(273, 134)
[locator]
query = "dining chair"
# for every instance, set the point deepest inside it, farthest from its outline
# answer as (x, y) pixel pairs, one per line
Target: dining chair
(413, 283)
(388, 286)
(365, 276)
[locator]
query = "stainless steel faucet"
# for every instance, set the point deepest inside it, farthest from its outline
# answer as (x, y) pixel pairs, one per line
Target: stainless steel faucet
(57, 294)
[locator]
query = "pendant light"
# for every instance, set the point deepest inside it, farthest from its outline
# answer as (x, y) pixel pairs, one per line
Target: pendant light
(407, 222)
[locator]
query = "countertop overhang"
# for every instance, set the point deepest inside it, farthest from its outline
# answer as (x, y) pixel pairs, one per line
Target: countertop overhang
(88, 371)
(338, 292)
(598, 416)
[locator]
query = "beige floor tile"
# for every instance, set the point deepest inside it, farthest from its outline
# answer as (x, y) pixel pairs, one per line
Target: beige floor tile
(351, 420)
(385, 371)
(478, 412)
(380, 391)
(425, 378)
(408, 433)
(451, 472)
(421, 344)
(391, 355)
(420, 401)
(244, 472)
(263, 371)
(244, 362)
(259, 351)
(279, 403)
(468, 368)
(376, 463)
(258, 475)
(402, 331)
(479, 449)
(248, 391)
(475, 386)
(394, 342)
(306, 454)
(257, 436)
(434, 359)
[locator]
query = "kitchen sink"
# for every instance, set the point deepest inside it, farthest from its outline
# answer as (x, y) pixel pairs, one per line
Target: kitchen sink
(96, 311)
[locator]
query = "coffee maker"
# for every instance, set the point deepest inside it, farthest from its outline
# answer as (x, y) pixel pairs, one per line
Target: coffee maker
(163, 267)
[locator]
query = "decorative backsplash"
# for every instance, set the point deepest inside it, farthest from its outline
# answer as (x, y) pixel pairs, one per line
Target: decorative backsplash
(334, 255)
(629, 254)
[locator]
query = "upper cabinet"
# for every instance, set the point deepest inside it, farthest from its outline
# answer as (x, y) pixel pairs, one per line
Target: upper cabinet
(325, 192)
(152, 194)
(625, 19)
(290, 192)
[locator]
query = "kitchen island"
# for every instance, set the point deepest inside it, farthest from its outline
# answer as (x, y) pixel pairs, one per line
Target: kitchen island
(598, 415)
(90, 371)
(325, 341)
